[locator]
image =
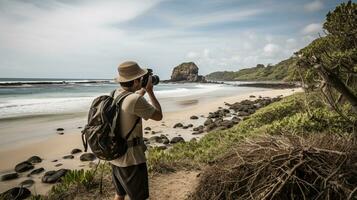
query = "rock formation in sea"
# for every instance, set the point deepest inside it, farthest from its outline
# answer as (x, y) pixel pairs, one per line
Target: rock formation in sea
(186, 72)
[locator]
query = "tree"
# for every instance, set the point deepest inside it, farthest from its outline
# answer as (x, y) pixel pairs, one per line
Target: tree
(330, 62)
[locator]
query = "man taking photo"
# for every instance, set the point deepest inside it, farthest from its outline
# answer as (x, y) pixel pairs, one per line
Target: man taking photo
(129, 172)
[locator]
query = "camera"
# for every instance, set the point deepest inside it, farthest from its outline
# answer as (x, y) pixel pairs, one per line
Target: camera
(155, 78)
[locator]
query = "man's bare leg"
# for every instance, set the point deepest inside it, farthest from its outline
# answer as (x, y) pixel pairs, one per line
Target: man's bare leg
(117, 197)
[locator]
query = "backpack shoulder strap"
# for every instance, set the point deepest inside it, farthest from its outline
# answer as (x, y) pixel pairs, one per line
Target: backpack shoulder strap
(117, 102)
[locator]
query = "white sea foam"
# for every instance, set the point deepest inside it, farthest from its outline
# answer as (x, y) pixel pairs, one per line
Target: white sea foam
(25, 107)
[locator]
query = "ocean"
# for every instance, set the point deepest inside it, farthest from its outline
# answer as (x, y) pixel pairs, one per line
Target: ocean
(32, 97)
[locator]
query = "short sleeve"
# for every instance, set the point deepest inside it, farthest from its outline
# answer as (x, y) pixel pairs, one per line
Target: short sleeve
(143, 109)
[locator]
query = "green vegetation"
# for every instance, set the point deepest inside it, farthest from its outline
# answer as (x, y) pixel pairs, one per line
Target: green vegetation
(330, 62)
(283, 71)
(300, 114)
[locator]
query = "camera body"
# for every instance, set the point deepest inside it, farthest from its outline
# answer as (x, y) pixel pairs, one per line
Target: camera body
(155, 78)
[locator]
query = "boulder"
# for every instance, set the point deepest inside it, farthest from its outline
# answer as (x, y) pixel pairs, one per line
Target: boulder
(162, 147)
(155, 139)
(17, 193)
(147, 128)
(187, 72)
(68, 157)
(164, 139)
(54, 176)
(193, 117)
(34, 159)
(208, 122)
(176, 140)
(27, 183)
(177, 125)
(87, 157)
(36, 171)
(23, 167)
(60, 129)
(190, 125)
(9, 176)
(74, 151)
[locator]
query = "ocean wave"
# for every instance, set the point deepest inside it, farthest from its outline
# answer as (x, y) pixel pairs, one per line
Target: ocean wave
(19, 107)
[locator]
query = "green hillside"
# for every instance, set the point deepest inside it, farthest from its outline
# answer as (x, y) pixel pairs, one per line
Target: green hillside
(283, 71)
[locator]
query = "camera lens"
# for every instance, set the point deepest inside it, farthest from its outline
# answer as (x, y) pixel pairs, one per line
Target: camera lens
(155, 79)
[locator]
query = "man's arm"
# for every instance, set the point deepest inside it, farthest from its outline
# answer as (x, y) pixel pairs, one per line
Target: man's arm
(157, 115)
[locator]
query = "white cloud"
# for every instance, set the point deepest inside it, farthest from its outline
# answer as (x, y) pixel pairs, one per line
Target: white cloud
(192, 54)
(271, 49)
(313, 28)
(313, 6)
(225, 16)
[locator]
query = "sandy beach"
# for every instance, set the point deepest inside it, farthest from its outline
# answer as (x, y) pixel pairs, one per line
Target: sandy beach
(56, 146)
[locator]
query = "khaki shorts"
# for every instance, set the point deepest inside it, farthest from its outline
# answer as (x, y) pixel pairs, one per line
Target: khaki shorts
(132, 180)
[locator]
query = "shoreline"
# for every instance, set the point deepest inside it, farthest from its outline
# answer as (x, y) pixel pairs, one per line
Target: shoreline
(57, 146)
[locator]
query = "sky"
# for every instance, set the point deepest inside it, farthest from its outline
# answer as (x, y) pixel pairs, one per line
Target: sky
(90, 38)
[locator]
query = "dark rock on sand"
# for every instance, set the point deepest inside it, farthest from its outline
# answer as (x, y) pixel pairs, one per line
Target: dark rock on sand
(190, 125)
(193, 117)
(27, 183)
(162, 147)
(196, 133)
(23, 167)
(58, 165)
(74, 151)
(210, 127)
(54, 160)
(164, 139)
(68, 157)
(243, 114)
(226, 123)
(235, 120)
(17, 193)
(155, 139)
(153, 132)
(54, 176)
(251, 96)
(60, 133)
(87, 157)
(193, 140)
(177, 125)
(9, 176)
(147, 128)
(34, 159)
(60, 129)
(176, 140)
(185, 127)
(36, 171)
(208, 122)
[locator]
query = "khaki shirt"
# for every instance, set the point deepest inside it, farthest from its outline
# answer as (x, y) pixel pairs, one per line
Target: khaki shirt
(133, 106)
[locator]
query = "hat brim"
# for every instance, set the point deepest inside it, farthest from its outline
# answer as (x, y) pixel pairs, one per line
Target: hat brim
(122, 79)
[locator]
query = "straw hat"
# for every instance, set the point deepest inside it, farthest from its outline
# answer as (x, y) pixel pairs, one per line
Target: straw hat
(129, 71)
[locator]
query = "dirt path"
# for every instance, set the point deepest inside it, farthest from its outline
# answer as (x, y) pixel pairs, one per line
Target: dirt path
(173, 186)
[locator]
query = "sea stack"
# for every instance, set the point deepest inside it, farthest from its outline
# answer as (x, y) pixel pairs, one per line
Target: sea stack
(186, 72)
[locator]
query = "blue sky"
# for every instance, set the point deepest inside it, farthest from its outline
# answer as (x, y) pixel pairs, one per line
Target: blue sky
(88, 39)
